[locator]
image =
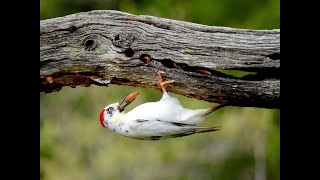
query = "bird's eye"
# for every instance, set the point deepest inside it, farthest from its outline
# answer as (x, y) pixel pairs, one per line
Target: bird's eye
(109, 110)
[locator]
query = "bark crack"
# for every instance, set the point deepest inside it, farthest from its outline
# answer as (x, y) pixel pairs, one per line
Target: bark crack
(253, 76)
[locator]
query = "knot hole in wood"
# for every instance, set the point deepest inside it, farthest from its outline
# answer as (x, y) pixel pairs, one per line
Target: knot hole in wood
(90, 44)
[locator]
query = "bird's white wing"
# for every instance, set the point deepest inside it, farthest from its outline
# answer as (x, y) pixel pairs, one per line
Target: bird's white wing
(155, 130)
(168, 109)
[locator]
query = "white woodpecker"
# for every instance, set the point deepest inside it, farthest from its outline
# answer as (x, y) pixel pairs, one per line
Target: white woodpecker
(163, 119)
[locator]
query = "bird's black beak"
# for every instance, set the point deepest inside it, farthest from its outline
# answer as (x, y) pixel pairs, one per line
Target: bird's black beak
(128, 99)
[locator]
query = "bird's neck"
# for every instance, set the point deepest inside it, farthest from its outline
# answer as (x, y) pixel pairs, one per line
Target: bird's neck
(118, 117)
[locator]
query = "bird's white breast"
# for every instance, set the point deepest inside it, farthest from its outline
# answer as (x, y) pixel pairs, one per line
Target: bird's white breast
(167, 109)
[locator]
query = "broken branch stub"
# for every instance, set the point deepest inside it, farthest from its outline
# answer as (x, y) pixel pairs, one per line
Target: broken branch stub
(103, 47)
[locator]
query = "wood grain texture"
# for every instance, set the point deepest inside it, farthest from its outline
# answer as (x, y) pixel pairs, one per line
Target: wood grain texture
(103, 47)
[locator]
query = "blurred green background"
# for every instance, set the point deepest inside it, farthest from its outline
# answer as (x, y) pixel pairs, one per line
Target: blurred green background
(73, 145)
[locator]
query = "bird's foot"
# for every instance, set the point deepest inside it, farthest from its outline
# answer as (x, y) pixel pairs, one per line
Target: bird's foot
(163, 84)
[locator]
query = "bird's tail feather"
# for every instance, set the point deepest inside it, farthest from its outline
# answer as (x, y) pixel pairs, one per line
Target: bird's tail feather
(207, 129)
(212, 109)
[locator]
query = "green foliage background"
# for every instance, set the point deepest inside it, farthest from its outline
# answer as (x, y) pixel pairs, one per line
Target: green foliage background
(73, 145)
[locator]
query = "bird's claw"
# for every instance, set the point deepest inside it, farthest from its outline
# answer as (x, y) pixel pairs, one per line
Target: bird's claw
(163, 84)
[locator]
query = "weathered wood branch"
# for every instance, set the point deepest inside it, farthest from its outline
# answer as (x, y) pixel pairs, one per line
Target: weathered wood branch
(103, 47)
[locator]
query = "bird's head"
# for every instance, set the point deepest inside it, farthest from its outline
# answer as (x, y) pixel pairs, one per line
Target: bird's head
(112, 111)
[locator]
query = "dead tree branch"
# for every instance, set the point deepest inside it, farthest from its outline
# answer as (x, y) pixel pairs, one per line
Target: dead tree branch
(103, 47)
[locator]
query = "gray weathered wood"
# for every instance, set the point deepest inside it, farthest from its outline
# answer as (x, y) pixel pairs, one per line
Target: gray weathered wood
(103, 47)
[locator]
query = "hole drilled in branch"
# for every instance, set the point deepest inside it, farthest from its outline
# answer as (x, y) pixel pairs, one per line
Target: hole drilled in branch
(145, 58)
(116, 37)
(129, 52)
(168, 63)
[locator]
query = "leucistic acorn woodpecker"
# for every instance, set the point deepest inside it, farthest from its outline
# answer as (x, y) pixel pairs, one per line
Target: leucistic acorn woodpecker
(155, 120)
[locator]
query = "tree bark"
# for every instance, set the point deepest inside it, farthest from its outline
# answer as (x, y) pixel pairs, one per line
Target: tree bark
(111, 47)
